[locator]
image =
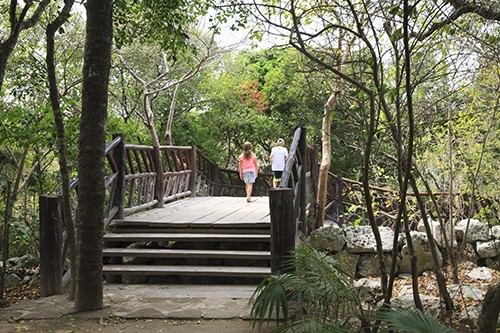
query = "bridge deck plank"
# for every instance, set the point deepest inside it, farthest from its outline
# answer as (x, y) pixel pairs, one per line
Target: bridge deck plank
(207, 210)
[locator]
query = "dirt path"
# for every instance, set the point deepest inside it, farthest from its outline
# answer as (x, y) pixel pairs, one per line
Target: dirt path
(115, 325)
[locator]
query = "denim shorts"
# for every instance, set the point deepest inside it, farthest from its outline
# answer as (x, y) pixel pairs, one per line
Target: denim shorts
(249, 177)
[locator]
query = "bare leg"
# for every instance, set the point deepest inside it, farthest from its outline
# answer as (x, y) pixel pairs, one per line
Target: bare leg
(248, 188)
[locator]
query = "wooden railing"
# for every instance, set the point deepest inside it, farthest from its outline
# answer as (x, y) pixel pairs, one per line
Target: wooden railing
(292, 204)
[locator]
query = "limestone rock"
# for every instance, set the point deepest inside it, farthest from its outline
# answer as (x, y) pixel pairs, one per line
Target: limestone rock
(421, 226)
(495, 231)
(404, 299)
(329, 239)
(25, 262)
(12, 281)
(468, 254)
(466, 291)
(493, 263)
(361, 240)
(480, 273)
(437, 232)
(477, 231)
(347, 262)
(369, 265)
(369, 290)
(422, 252)
(488, 249)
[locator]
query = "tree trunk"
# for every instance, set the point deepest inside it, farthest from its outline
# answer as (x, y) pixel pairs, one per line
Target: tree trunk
(60, 136)
(170, 119)
(440, 278)
(97, 61)
(159, 193)
(488, 318)
(325, 157)
(5, 238)
(10, 200)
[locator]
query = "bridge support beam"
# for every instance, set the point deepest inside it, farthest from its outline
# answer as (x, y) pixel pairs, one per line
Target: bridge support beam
(283, 228)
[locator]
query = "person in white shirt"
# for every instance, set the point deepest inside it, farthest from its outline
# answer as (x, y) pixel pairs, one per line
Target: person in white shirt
(278, 157)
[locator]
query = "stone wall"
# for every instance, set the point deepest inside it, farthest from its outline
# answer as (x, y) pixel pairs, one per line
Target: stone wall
(355, 246)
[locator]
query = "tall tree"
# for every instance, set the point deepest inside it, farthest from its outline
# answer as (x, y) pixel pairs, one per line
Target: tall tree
(97, 62)
(19, 20)
(50, 32)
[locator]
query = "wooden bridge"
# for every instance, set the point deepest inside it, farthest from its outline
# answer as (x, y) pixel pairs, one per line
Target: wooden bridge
(172, 215)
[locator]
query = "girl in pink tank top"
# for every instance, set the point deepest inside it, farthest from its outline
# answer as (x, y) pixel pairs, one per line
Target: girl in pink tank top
(249, 168)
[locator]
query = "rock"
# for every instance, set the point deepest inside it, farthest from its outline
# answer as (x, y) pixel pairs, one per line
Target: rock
(12, 281)
(493, 263)
(331, 223)
(347, 262)
(438, 235)
(466, 291)
(422, 252)
(437, 232)
(476, 231)
(361, 240)
(495, 231)
(404, 299)
(25, 262)
(369, 265)
(470, 315)
(329, 239)
(421, 225)
(488, 249)
(468, 254)
(369, 290)
(480, 273)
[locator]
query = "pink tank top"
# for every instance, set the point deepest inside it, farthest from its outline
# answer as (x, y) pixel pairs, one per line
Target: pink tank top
(247, 165)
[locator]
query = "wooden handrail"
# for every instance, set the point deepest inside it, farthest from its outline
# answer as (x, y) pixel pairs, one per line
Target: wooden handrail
(293, 202)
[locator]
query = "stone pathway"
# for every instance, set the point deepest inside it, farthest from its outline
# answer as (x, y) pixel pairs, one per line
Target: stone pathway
(146, 301)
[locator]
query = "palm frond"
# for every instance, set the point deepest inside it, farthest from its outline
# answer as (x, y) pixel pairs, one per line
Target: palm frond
(310, 326)
(270, 299)
(413, 321)
(322, 283)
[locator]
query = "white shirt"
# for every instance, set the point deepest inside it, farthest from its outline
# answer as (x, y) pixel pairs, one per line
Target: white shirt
(278, 157)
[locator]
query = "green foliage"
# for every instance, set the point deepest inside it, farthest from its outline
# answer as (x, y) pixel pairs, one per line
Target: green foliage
(163, 22)
(322, 295)
(413, 321)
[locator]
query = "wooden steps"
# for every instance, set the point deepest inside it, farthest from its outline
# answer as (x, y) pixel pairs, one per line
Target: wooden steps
(152, 251)
(223, 271)
(185, 253)
(199, 237)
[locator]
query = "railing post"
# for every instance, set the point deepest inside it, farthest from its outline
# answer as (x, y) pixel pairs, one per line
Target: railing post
(159, 190)
(192, 165)
(283, 225)
(51, 261)
(119, 158)
(302, 147)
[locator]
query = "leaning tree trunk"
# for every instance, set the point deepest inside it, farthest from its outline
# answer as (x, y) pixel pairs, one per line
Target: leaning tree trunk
(171, 113)
(50, 31)
(156, 147)
(97, 62)
(324, 167)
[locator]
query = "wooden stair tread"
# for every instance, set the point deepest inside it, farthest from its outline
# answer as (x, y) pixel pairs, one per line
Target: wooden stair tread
(185, 253)
(184, 236)
(165, 224)
(146, 230)
(188, 270)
